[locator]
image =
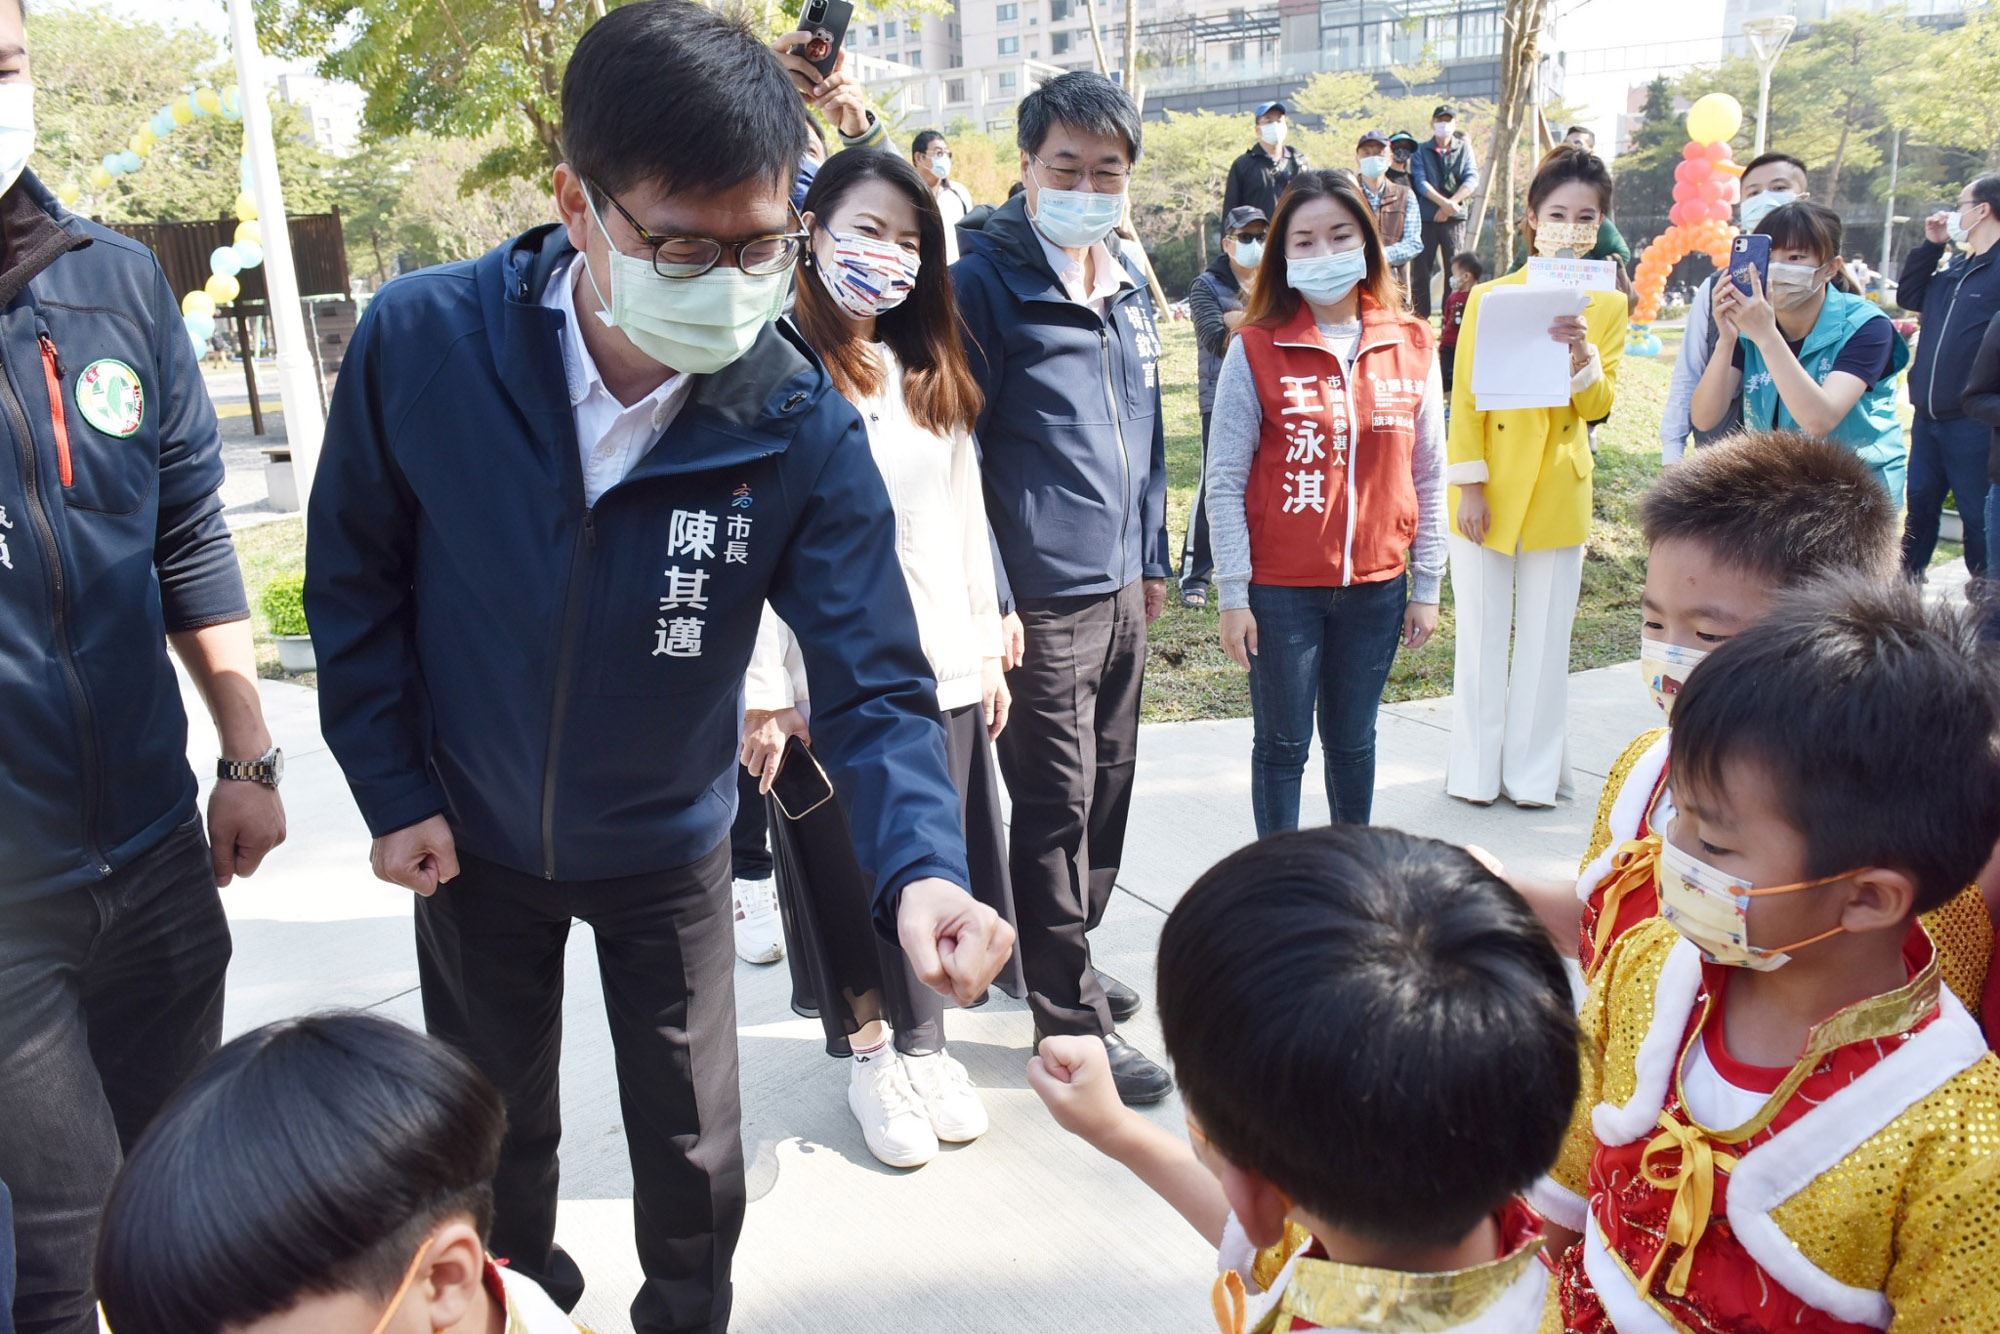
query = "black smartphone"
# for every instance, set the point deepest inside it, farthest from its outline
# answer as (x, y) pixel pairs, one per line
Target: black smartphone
(824, 22)
(1750, 252)
(801, 786)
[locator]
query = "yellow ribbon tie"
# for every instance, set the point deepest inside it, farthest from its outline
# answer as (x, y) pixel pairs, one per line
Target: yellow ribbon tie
(1634, 866)
(1231, 1306)
(1692, 1180)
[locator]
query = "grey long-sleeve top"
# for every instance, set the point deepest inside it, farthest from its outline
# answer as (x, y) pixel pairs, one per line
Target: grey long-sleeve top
(1233, 431)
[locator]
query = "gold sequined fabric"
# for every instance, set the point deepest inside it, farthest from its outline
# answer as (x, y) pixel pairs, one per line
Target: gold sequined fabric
(1600, 831)
(1332, 1295)
(1963, 932)
(1271, 1261)
(1617, 1011)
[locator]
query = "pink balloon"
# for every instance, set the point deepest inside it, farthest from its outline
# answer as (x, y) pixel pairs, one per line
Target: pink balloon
(1718, 211)
(1677, 215)
(1716, 152)
(1732, 189)
(1683, 191)
(1694, 152)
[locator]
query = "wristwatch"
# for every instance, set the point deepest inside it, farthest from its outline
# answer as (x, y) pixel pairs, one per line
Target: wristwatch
(267, 769)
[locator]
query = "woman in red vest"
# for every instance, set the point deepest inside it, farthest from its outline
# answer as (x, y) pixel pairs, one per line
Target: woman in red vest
(1325, 490)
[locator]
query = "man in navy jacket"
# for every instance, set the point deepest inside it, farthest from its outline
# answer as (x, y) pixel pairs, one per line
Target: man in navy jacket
(559, 483)
(113, 942)
(1061, 336)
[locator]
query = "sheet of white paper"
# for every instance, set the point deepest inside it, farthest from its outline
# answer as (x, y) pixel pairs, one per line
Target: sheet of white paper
(1585, 275)
(1515, 364)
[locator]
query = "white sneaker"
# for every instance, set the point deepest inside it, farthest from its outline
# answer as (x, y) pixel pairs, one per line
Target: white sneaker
(957, 1114)
(891, 1116)
(760, 937)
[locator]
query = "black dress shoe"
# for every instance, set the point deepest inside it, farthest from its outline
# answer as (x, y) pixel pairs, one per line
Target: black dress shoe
(1140, 1082)
(1124, 1001)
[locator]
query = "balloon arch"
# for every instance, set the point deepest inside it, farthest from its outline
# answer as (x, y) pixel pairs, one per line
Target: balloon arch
(1707, 187)
(247, 248)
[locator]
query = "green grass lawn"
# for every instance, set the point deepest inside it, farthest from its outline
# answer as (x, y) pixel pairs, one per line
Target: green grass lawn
(1187, 675)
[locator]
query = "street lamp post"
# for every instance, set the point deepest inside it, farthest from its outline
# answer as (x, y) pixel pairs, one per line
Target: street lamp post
(1768, 36)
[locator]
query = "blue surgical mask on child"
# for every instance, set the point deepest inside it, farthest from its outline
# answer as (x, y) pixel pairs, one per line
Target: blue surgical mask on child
(1325, 279)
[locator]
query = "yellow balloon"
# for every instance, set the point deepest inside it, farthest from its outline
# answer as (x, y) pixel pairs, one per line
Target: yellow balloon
(1714, 118)
(246, 208)
(197, 303)
(222, 288)
(68, 194)
(183, 113)
(208, 100)
(249, 231)
(143, 147)
(100, 179)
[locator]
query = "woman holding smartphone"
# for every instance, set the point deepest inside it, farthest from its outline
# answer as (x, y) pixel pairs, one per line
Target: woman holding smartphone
(874, 300)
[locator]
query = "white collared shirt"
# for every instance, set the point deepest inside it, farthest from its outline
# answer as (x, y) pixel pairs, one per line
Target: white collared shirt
(611, 436)
(1111, 276)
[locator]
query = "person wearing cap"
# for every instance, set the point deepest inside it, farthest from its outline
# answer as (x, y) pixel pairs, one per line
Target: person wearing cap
(1446, 174)
(1215, 302)
(1402, 160)
(1395, 208)
(1266, 167)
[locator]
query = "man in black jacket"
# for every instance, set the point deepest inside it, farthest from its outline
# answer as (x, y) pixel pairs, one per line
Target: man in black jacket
(1947, 448)
(1446, 174)
(1259, 176)
(113, 942)
(1215, 304)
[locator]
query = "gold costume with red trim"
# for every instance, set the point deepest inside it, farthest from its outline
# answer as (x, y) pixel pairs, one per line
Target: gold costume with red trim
(1293, 1286)
(1618, 883)
(1864, 1194)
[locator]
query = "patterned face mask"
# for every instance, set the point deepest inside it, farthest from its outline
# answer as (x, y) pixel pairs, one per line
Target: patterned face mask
(867, 277)
(1711, 908)
(1553, 238)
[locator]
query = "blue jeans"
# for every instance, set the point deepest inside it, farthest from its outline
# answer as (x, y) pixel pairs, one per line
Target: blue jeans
(1946, 456)
(1333, 647)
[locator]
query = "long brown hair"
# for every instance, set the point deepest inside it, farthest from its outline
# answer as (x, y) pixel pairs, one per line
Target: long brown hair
(1559, 166)
(1273, 303)
(923, 332)
(1804, 225)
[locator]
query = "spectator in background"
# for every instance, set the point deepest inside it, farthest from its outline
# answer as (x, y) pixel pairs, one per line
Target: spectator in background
(1948, 449)
(1446, 175)
(1466, 273)
(1981, 403)
(1259, 176)
(1402, 159)
(1768, 183)
(1809, 354)
(1215, 304)
(930, 153)
(1396, 210)
(1060, 334)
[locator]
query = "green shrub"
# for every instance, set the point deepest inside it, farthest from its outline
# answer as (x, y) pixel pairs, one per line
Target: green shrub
(284, 604)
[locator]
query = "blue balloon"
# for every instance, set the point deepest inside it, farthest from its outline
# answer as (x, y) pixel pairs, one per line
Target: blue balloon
(164, 123)
(246, 180)
(194, 104)
(249, 254)
(224, 261)
(202, 327)
(114, 164)
(200, 346)
(130, 161)
(232, 106)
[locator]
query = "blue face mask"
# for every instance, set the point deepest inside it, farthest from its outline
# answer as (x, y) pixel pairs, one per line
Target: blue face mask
(1074, 219)
(1325, 279)
(1375, 166)
(1249, 254)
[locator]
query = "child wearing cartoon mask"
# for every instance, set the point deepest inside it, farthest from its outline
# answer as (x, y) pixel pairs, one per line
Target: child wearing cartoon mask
(1787, 1120)
(1810, 353)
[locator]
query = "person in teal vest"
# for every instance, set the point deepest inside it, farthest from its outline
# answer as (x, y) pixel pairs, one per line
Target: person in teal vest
(1812, 354)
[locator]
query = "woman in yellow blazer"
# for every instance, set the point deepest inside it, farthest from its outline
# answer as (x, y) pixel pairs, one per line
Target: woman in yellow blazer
(1520, 505)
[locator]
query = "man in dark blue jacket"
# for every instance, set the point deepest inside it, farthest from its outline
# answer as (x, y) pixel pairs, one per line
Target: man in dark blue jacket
(559, 483)
(1060, 332)
(113, 942)
(1947, 448)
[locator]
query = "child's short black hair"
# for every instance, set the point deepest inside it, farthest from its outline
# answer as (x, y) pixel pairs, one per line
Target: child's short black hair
(1374, 1023)
(1785, 506)
(308, 1157)
(1877, 720)
(1468, 261)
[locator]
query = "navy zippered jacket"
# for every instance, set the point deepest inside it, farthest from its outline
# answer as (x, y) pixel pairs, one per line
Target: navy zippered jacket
(111, 538)
(1072, 442)
(566, 681)
(1957, 304)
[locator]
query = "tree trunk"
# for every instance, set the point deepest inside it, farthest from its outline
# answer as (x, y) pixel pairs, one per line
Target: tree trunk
(381, 269)
(1096, 38)
(1519, 52)
(1130, 66)
(1840, 156)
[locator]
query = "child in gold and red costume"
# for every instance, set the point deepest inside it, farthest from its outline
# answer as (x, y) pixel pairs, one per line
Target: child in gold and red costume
(1375, 1043)
(1787, 1121)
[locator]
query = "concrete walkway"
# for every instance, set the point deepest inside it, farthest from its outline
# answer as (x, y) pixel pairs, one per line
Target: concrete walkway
(1025, 1230)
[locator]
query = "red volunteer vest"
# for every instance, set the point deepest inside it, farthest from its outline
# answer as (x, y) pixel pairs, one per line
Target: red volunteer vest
(1330, 500)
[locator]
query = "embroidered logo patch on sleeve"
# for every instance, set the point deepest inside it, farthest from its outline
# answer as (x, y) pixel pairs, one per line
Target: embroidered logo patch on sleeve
(111, 398)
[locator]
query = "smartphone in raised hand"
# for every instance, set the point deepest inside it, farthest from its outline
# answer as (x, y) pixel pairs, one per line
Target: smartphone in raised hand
(824, 22)
(1747, 252)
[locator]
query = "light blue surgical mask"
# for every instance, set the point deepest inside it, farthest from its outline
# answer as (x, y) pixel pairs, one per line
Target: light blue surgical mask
(1249, 254)
(1325, 279)
(1759, 207)
(1074, 219)
(1375, 166)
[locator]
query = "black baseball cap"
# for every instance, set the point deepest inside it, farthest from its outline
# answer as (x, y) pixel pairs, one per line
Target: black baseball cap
(1444, 113)
(1372, 137)
(1242, 216)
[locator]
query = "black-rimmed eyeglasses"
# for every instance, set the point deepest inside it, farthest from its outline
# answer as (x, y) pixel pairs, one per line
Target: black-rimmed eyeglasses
(692, 256)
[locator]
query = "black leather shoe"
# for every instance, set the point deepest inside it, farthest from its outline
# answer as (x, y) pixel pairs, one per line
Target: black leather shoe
(1140, 1082)
(1124, 1001)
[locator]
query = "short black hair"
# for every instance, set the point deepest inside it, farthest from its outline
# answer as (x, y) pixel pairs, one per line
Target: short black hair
(1374, 1023)
(647, 71)
(1582, 129)
(1875, 718)
(1083, 100)
(1986, 189)
(1784, 506)
(1468, 261)
(924, 139)
(308, 1157)
(1766, 159)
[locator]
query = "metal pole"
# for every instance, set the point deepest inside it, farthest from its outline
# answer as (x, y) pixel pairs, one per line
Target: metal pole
(1889, 210)
(298, 387)
(1763, 100)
